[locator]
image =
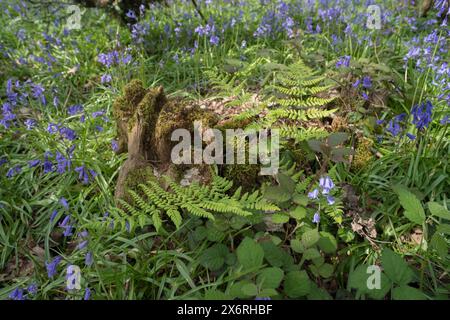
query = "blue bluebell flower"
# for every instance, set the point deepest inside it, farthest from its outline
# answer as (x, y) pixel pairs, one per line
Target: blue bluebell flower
(422, 115)
(326, 184)
(17, 294)
(87, 294)
(89, 258)
(33, 163)
(313, 194)
(316, 218)
(51, 266)
(64, 203)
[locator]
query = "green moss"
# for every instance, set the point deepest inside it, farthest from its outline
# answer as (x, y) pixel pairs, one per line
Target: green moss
(242, 175)
(136, 177)
(134, 92)
(176, 115)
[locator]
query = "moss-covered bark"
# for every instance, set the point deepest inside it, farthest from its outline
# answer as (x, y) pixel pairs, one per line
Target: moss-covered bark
(145, 121)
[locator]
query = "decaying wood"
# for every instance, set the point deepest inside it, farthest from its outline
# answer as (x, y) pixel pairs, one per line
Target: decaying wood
(145, 120)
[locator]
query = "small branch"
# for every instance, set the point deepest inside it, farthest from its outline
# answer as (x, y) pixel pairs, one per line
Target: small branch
(197, 8)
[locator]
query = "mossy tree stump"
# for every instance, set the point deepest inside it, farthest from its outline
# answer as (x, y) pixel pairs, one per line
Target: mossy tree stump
(145, 121)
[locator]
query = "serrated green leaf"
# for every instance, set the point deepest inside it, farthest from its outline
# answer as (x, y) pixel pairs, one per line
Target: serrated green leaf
(250, 254)
(270, 278)
(438, 210)
(250, 289)
(279, 218)
(272, 253)
(297, 284)
(298, 213)
(310, 237)
(214, 257)
(407, 293)
(396, 268)
(413, 209)
(311, 253)
(297, 246)
(327, 242)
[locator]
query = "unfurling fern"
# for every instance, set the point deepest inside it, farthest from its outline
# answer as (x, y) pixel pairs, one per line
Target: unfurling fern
(294, 102)
(199, 200)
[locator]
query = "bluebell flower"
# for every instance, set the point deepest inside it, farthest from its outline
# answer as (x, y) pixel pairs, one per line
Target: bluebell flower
(13, 171)
(65, 224)
(356, 83)
(89, 259)
(48, 165)
(114, 145)
(63, 202)
(87, 294)
(105, 78)
(214, 40)
(32, 289)
(326, 184)
(97, 114)
(67, 133)
(75, 109)
(316, 218)
(83, 174)
(313, 194)
(82, 244)
(33, 163)
(330, 200)
(51, 266)
(367, 82)
(445, 120)
(394, 125)
(30, 123)
(53, 215)
(410, 136)
(343, 61)
(62, 163)
(263, 298)
(130, 14)
(17, 294)
(365, 96)
(52, 128)
(422, 115)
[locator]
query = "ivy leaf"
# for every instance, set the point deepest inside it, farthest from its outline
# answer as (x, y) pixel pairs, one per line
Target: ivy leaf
(413, 208)
(396, 268)
(297, 284)
(250, 254)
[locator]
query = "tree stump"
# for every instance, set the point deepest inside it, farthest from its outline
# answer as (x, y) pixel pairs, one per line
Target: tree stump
(145, 120)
